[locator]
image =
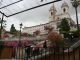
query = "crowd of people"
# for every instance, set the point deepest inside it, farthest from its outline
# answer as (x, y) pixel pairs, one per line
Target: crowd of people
(30, 50)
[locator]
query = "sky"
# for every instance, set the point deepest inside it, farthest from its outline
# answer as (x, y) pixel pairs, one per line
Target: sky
(38, 16)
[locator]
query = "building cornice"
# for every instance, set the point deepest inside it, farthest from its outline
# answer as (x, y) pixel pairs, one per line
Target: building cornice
(39, 25)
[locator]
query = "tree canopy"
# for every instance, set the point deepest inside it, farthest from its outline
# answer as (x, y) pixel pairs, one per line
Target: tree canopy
(3, 23)
(12, 29)
(55, 39)
(54, 36)
(64, 25)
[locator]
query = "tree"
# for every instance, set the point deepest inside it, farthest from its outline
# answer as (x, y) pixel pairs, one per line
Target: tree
(25, 34)
(54, 38)
(41, 0)
(49, 28)
(3, 23)
(64, 26)
(2, 26)
(37, 32)
(12, 29)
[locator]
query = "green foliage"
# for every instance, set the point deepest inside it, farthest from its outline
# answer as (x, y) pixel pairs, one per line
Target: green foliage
(72, 34)
(64, 26)
(12, 29)
(76, 33)
(30, 35)
(3, 23)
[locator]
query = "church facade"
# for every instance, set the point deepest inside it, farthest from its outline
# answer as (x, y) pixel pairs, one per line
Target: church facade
(54, 20)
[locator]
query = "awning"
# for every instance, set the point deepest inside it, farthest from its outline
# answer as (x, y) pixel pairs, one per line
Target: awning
(13, 7)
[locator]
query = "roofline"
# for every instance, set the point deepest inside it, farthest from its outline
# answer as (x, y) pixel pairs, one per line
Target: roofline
(39, 25)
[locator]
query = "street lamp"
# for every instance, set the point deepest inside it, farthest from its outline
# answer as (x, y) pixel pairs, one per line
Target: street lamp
(1, 26)
(20, 34)
(20, 44)
(75, 4)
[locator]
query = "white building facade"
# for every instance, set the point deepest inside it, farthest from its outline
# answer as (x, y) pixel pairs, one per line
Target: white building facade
(32, 29)
(55, 18)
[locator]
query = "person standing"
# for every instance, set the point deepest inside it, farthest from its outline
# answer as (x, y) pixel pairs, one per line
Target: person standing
(28, 51)
(45, 44)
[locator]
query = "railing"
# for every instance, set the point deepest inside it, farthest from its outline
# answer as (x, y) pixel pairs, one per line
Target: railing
(35, 53)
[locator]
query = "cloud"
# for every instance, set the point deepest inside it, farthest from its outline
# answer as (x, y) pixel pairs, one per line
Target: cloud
(11, 21)
(74, 18)
(39, 15)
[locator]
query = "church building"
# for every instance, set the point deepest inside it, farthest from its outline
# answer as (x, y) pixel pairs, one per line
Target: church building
(54, 20)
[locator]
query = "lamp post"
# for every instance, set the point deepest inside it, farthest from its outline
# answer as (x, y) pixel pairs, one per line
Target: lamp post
(75, 4)
(20, 34)
(19, 44)
(1, 26)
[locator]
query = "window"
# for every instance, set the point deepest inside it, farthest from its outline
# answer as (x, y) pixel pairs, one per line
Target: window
(58, 18)
(51, 13)
(64, 10)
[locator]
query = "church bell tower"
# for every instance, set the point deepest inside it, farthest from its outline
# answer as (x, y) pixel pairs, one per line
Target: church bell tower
(65, 8)
(52, 12)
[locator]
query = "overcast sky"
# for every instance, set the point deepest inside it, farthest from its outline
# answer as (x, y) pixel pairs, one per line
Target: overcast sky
(38, 16)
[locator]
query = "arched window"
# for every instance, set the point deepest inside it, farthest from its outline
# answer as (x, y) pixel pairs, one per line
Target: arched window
(58, 18)
(64, 10)
(51, 13)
